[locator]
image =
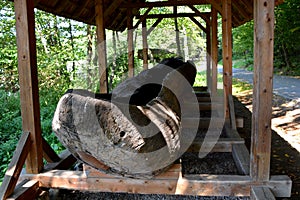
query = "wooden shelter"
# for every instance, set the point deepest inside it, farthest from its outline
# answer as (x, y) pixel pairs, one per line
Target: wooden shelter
(256, 180)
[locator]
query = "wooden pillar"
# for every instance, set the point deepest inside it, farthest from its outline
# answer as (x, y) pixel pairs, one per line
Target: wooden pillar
(214, 50)
(28, 79)
(177, 32)
(101, 45)
(145, 44)
(227, 52)
(208, 56)
(262, 90)
(130, 43)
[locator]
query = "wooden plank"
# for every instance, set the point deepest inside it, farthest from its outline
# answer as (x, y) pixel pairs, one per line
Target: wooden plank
(280, 185)
(66, 160)
(145, 45)
(193, 122)
(130, 43)
(28, 189)
(261, 193)
(222, 145)
(202, 185)
(154, 16)
(208, 59)
(15, 166)
(172, 173)
(28, 80)
(177, 36)
(101, 45)
(241, 158)
(232, 112)
(262, 90)
(48, 153)
(215, 185)
(215, 99)
(203, 106)
(163, 4)
(214, 51)
(227, 52)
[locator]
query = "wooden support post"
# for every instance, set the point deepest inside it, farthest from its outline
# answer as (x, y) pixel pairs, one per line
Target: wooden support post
(227, 52)
(262, 90)
(214, 50)
(28, 79)
(145, 44)
(178, 53)
(130, 43)
(101, 45)
(208, 56)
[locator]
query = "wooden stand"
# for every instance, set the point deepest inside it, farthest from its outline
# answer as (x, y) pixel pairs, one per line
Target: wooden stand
(254, 179)
(173, 181)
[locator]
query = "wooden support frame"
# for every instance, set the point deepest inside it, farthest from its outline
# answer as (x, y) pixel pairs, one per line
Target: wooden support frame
(259, 183)
(204, 29)
(153, 16)
(130, 43)
(208, 57)
(16, 165)
(145, 44)
(262, 90)
(101, 46)
(29, 92)
(200, 184)
(204, 16)
(227, 52)
(214, 51)
(154, 25)
(142, 18)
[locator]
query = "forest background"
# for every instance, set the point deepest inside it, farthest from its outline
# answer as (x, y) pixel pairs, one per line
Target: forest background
(66, 55)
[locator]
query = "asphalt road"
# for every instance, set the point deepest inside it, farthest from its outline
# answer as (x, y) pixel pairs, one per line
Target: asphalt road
(284, 86)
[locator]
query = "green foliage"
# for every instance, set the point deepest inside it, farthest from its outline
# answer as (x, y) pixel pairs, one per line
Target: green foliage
(243, 45)
(10, 127)
(287, 38)
(286, 43)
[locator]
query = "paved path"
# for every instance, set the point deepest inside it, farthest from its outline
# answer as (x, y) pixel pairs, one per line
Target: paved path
(282, 85)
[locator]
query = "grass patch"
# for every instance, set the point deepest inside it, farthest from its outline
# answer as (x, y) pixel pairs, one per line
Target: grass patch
(239, 86)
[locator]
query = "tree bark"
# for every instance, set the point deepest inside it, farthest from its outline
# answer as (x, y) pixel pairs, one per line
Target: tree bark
(130, 140)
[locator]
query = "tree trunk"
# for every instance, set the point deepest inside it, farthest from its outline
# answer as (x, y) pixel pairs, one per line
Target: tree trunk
(130, 140)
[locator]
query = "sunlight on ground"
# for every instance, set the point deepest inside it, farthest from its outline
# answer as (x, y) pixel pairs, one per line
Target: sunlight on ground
(286, 116)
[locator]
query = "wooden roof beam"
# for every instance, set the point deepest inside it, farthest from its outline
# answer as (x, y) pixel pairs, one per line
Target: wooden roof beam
(204, 15)
(165, 4)
(154, 25)
(143, 17)
(199, 25)
(206, 18)
(112, 7)
(217, 4)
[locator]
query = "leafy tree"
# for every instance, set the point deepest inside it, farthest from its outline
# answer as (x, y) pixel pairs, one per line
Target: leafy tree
(287, 37)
